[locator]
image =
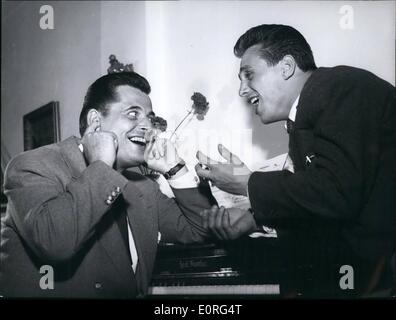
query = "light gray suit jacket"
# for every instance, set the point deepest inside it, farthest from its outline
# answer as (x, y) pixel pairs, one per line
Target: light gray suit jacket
(58, 215)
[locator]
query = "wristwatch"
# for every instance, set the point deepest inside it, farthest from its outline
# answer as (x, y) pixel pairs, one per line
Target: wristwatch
(174, 170)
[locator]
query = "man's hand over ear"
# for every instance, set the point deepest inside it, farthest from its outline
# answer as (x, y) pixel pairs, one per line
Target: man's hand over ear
(99, 145)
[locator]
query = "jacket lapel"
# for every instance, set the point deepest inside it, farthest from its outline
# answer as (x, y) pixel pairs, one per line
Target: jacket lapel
(300, 146)
(108, 233)
(301, 137)
(144, 226)
(109, 236)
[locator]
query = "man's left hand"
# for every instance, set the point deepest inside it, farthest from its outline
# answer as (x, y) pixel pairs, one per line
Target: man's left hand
(232, 176)
(228, 224)
(161, 155)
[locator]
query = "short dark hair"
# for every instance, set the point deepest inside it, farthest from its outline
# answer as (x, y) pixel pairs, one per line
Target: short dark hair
(103, 91)
(276, 41)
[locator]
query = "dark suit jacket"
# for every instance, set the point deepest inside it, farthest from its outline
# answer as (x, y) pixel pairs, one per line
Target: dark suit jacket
(346, 124)
(57, 215)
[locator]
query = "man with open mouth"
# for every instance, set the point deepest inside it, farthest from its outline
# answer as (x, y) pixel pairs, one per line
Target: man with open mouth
(339, 206)
(81, 223)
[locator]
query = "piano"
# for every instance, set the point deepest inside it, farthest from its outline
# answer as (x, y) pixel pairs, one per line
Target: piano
(243, 268)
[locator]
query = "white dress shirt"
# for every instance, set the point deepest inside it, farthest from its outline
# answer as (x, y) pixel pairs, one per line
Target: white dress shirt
(293, 110)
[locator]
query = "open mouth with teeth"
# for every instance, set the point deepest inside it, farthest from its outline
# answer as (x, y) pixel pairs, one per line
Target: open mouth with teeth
(253, 100)
(138, 140)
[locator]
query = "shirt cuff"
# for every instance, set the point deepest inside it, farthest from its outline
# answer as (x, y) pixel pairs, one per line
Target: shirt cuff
(266, 232)
(247, 195)
(187, 180)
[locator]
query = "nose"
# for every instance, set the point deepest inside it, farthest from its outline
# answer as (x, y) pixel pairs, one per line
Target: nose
(243, 89)
(145, 124)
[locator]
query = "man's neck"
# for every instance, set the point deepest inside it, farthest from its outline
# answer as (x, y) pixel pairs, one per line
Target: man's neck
(297, 86)
(300, 83)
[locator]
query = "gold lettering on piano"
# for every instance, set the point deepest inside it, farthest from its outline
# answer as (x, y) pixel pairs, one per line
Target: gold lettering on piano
(183, 264)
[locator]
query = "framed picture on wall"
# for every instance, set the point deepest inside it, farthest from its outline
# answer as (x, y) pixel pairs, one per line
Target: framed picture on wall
(41, 126)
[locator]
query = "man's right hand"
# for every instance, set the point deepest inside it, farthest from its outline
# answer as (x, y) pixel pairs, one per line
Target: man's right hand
(99, 145)
(231, 176)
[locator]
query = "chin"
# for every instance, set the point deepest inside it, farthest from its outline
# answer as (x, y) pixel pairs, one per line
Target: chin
(268, 120)
(265, 120)
(133, 156)
(126, 163)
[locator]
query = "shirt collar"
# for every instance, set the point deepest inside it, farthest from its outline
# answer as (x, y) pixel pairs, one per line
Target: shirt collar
(293, 110)
(80, 146)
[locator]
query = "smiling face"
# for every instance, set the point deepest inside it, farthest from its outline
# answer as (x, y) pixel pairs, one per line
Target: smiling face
(264, 87)
(129, 119)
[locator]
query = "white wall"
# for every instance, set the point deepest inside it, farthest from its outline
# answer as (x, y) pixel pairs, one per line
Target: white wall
(181, 47)
(190, 48)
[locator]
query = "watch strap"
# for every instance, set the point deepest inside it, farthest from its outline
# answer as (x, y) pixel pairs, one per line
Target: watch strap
(174, 170)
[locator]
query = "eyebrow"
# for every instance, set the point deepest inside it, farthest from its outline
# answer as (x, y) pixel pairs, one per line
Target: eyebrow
(133, 108)
(242, 70)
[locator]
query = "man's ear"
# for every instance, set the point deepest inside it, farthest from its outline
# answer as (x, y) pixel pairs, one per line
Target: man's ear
(94, 118)
(288, 66)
